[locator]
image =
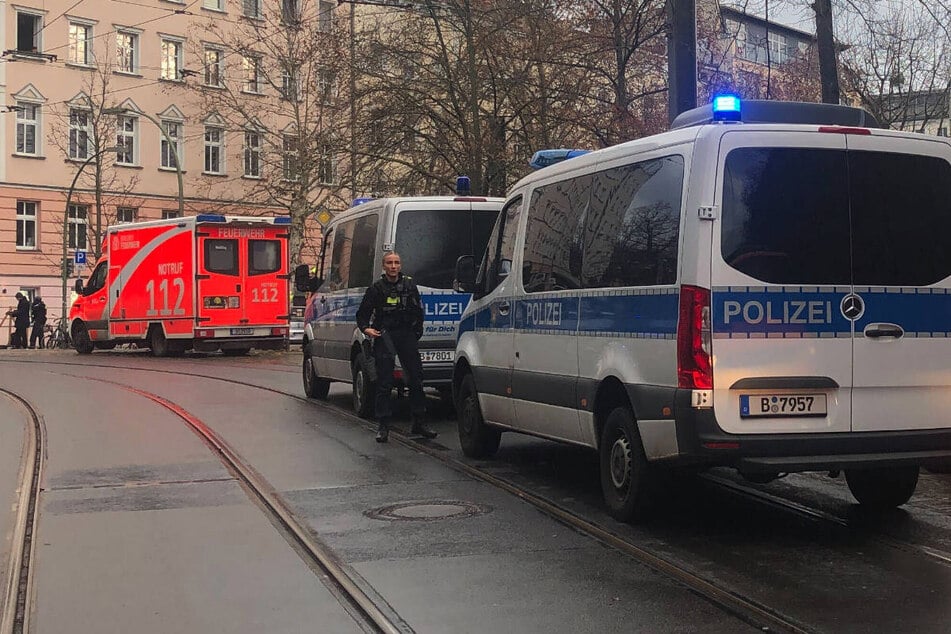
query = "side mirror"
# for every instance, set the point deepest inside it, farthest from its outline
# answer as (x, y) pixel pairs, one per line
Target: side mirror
(301, 278)
(79, 286)
(464, 281)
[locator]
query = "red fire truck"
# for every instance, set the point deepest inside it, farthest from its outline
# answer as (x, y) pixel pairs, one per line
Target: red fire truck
(206, 282)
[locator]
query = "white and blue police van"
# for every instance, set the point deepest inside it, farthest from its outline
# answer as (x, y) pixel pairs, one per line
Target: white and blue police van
(430, 234)
(766, 286)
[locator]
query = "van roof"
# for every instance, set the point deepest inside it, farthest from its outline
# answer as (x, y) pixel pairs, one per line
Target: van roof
(762, 111)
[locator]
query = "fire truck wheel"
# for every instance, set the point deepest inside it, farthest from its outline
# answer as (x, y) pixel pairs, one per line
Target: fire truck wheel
(81, 340)
(157, 342)
(363, 388)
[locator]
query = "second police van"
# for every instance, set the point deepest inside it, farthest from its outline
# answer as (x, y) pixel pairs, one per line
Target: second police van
(430, 234)
(765, 286)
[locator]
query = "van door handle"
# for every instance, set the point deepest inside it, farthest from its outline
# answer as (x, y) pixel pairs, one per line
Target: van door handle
(323, 300)
(504, 308)
(877, 331)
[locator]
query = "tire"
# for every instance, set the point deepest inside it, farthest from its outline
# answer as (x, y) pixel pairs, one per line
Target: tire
(81, 340)
(478, 439)
(882, 488)
(314, 386)
(625, 474)
(364, 390)
(158, 343)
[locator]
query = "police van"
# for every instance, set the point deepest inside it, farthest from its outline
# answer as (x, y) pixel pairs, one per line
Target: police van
(430, 234)
(765, 286)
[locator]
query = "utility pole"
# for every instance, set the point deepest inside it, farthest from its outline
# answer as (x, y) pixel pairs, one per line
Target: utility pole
(825, 42)
(681, 56)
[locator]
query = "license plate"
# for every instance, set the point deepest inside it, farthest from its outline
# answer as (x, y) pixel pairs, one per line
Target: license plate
(752, 405)
(435, 356)
(242, 331)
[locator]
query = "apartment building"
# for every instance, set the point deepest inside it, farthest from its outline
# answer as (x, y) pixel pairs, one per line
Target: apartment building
(120, 89)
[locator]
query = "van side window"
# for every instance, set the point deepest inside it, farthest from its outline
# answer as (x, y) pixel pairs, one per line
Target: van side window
(497, 263)
(221, 256)
(97, 280)
(264, 256)
(340, 258)
(326, 253)
(363, 251)
(553, 237)
(632, 227)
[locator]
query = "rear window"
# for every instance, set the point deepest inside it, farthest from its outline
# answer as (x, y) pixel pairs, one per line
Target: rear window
(429, 242)
(819, 216)
(221, 256)
(264, 256)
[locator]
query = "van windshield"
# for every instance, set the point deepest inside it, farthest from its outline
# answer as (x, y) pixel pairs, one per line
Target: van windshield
(429, 242)
(822, 216)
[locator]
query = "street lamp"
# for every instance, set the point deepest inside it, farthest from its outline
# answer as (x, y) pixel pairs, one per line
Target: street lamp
(69, 196)
(171, 145)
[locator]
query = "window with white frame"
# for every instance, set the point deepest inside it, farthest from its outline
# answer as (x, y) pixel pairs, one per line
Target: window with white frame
(777, 48)
(252, 73)
(127, 139)
(28, 127)
(214, 5)
(290, 87)
(26, 224)
(172, 59)
(77, 218)
(326, 166)
(171, 154)
(80, 43)
(213, 58)
(291, 158)
(290, 11)
(170, 213)
(325, 16)
(126, 214)
(127, 52)
(325, 86)
(252, 154)
(29, 32)
(251, 8)
(214, 150)
(80, 145)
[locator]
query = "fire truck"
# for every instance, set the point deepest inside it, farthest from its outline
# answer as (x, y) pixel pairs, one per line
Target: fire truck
(207, 282)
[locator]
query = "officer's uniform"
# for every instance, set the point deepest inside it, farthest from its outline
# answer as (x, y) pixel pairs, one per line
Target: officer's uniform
(396, 310)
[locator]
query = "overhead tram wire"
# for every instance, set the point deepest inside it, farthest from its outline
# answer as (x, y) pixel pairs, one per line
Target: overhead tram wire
(47, 23)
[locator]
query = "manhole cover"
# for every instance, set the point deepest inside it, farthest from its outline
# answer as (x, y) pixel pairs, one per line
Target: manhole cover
(427, 511)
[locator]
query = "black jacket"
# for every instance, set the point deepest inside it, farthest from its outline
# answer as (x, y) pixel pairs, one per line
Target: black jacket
(39, 313)
(391, 306)
(22, 313)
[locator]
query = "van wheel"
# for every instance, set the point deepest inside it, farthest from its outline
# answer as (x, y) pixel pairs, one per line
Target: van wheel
(478, 439)
(882, 488)
(314, 386)
(625, 473)
(363, 388)
(158, 343)
(81, 340)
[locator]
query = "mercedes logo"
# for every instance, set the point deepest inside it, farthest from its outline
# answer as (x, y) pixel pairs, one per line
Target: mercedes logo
(852, 307)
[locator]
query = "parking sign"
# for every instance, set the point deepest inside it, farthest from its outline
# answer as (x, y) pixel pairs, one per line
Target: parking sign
(79, 257)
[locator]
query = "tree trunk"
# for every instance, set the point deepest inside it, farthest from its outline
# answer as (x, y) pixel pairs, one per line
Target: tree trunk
(828, 67)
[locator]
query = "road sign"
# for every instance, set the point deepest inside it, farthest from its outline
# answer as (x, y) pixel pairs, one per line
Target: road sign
(79, 257)
(323, 217)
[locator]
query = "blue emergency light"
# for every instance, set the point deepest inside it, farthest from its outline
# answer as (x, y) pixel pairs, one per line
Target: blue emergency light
(360, 201)
(726, 108)
(463, 186)
(544, 158)
(282, 220)
(210, 218)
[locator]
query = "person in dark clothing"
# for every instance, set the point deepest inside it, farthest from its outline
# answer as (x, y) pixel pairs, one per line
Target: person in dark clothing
(391, 314)
(21, 321)
(39, 322)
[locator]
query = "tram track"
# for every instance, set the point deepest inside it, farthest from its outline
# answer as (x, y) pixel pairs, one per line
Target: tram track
(15, 616)
(735, 603)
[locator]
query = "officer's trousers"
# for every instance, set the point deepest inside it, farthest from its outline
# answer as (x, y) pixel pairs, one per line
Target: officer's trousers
(405, 345)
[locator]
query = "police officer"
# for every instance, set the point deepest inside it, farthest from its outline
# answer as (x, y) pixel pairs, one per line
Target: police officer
(391, 314)
(39, 322)
(21, 321)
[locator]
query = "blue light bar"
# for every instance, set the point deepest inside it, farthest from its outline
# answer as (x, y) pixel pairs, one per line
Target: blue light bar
(360, 201)
(210, 218)
(282, 220)
(726, 108)
(544, 158)
(463, 186)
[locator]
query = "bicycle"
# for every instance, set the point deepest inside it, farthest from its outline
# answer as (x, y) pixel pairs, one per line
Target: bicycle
(57, 337)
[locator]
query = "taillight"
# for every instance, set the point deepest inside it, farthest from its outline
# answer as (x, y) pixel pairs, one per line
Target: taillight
(279, 332)
(204, 333)
(694, 367)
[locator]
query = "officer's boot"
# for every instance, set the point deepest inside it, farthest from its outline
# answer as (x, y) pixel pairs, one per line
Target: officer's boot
(421, 430)
(383, 430)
